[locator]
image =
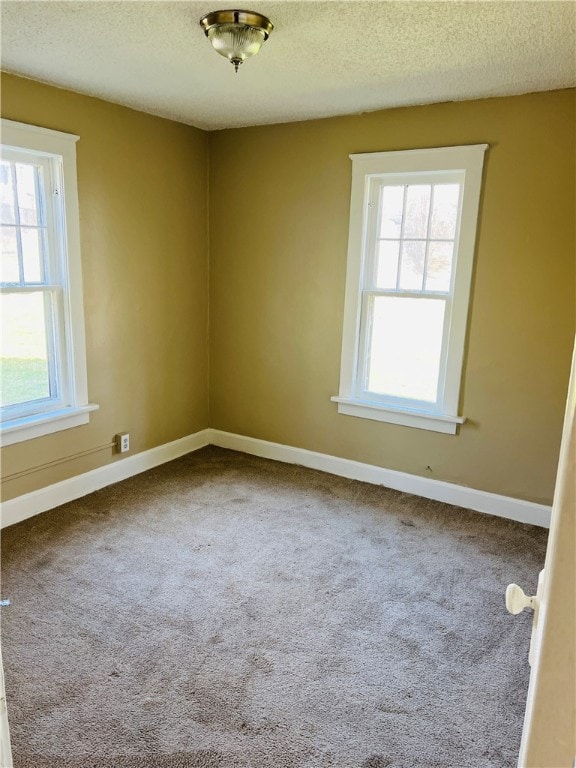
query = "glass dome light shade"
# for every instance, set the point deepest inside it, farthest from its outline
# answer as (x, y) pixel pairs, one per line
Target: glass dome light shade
(236, 43)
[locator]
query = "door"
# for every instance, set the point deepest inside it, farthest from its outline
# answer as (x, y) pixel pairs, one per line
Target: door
(549, 734)
(5, 751)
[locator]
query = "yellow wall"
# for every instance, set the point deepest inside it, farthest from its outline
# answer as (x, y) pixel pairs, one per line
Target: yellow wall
(279, 202)
(143, 218)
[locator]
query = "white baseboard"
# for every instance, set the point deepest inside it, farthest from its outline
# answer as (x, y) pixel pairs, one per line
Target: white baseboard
(459, 495)
(30, 504)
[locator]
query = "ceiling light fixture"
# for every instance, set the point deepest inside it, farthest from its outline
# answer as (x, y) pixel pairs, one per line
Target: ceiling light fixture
(237, 35)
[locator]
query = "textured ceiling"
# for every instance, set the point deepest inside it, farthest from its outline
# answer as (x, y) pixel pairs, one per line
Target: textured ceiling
(323, 58)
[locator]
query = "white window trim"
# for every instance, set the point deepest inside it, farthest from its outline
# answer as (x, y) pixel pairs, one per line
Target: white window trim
(469, 160)
(76, 410)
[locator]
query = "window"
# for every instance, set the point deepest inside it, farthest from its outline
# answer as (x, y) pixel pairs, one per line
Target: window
(43, 361)
(411, 246)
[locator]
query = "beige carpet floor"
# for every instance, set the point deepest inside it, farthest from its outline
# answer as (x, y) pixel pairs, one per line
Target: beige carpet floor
(225, 611)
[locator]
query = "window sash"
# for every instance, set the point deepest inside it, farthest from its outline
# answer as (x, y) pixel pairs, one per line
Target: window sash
(361, 390)
(54, 329)
(375, 184)
(50, 216)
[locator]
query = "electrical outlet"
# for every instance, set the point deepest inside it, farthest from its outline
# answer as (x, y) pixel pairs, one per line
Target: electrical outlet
(122, 442)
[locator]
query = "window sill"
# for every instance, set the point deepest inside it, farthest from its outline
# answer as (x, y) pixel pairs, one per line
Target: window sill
(29, 427)
(435, 422)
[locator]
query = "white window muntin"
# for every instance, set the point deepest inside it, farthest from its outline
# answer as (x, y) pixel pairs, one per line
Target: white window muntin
(444, 165)
(71, 408)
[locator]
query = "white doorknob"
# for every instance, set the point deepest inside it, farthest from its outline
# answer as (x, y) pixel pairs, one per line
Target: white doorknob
(517, 600)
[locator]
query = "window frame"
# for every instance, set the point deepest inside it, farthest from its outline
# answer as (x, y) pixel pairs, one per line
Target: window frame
(57, 152)
(405, 167)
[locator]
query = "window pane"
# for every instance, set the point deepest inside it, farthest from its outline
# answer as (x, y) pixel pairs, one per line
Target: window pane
(6, 194)
(24, 359)
(9, 272)
(405, 347)
(412, 266)
(417, 209)
(445, 211)
(439, 267)
(391, 203)
(26, 177)
(32, 254)
(387, 268)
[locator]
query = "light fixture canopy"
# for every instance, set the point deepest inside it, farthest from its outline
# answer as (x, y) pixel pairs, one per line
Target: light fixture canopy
(237, 35)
